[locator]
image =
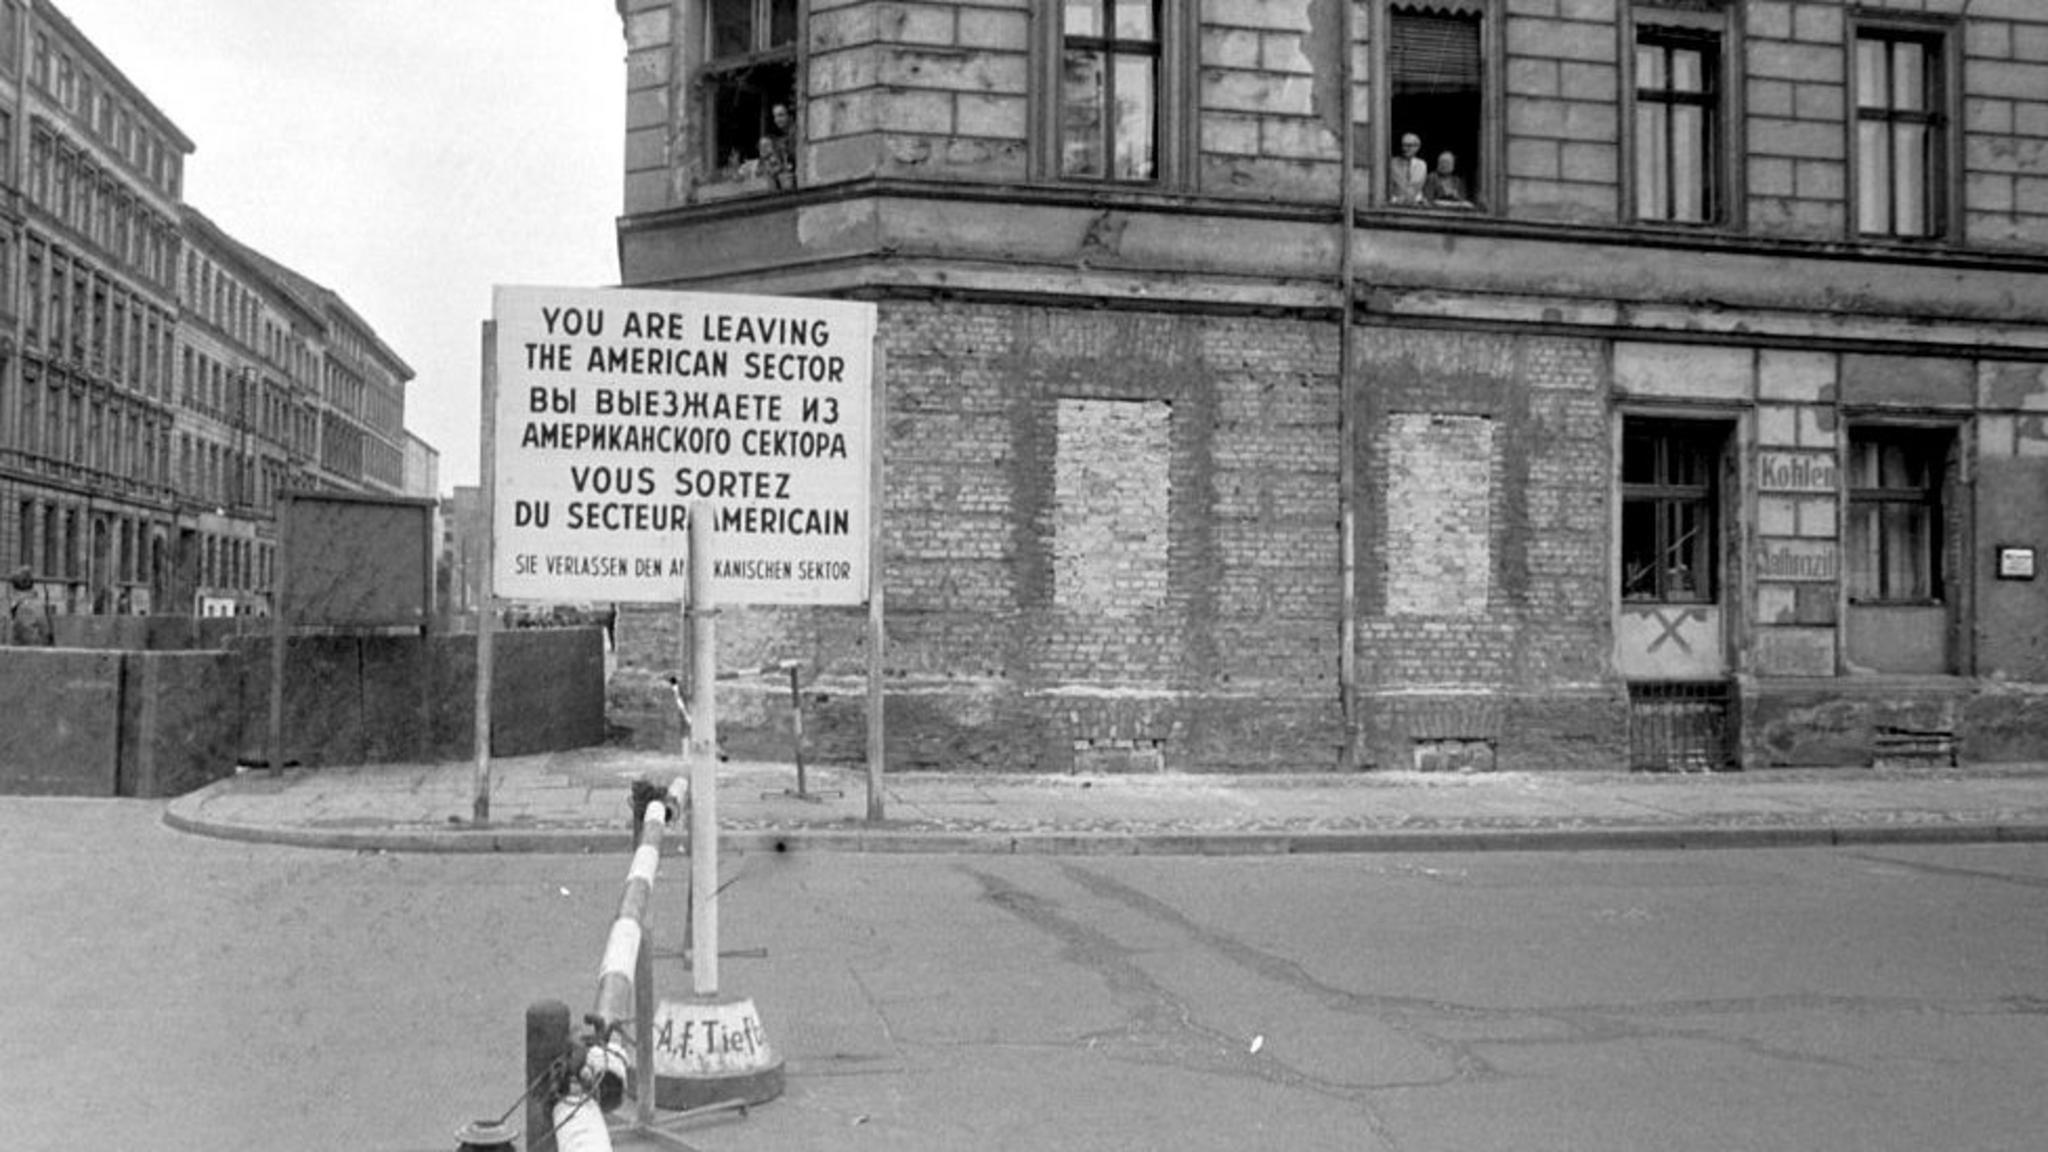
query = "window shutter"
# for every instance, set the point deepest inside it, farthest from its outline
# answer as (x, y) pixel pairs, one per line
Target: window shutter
(1431, 53)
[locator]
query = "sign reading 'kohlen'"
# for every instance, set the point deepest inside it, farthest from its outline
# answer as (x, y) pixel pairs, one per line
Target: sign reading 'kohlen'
(618, 410)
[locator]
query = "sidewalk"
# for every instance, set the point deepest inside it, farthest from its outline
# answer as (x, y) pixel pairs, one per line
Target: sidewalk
(578, 802)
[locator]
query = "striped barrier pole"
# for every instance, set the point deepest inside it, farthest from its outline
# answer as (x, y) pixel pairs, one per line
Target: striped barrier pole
(574, 1084)
(625, 981)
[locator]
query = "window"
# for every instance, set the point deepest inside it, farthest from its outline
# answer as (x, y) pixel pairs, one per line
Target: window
(1436, 104)
(1894, 534)
(31, 435)
(1901, 133)
(749, 74)
(1109, 90)
(1677, 116)
(10, 36)
(1668, 506)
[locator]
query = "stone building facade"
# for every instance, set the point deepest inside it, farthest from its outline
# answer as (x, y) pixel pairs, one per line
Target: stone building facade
(160, 382)
(1534, 384)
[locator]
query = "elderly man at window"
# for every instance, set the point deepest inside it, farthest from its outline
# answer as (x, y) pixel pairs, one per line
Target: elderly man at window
(1407, 172)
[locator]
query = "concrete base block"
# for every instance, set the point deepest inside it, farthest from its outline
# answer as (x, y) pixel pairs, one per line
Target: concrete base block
(711, 1050)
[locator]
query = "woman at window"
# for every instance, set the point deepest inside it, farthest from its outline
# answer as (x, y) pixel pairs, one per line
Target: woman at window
(1445, 188)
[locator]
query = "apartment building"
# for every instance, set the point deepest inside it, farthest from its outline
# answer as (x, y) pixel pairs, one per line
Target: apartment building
(93, 174)
(248, 413)
(160, 382)
(1521, 384)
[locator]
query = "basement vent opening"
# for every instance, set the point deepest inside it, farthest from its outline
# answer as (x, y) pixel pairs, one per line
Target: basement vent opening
(1680, 726)
(1118, 757)
(1896, 747)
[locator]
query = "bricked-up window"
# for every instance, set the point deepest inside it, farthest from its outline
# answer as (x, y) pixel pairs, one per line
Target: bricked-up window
(1669, 496)
(1894, 534)
(1112, 492)
(1677, 117)
(1109, 89)
(750, 71)
(1439, 514)
(1436, 93)
(1901, 132)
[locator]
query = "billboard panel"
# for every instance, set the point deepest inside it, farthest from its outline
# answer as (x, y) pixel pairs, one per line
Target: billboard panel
(356, 560)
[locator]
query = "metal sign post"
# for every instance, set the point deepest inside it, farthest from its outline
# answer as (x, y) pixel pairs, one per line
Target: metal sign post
(486, 617)
(703, 759)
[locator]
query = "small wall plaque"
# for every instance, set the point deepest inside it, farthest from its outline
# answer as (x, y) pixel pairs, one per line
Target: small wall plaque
(2015, 562)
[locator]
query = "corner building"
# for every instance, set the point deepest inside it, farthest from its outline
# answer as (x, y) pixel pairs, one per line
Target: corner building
(1525, 384)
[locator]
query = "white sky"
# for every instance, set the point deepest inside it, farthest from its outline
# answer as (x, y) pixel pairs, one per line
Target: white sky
(407, 154)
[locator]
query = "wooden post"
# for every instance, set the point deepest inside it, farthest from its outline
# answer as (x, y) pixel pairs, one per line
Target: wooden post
(703, 615)
(486, 614)
(280, 628)
(547, 1039)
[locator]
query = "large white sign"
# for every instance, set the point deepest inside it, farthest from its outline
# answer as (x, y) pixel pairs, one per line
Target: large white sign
(619, 409)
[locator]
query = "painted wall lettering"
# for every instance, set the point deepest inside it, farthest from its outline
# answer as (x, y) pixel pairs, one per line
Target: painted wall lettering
(1795, 472)
(1797, 560)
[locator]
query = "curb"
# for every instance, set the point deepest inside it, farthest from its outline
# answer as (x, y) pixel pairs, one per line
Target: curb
(920, 841)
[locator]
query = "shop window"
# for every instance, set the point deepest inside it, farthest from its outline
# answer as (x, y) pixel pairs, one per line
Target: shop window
(1669, 506)
(1677, 111)
(1436, 104)
(1894, 533)
(750, 90)
(1901, 133)
(1109, 110)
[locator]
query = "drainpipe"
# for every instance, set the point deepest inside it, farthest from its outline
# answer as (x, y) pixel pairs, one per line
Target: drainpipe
(1347, 451)
(11, 372)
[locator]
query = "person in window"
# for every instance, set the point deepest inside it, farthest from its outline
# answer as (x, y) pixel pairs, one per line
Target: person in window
(783, 140)
(1445, 188)
(1408, 172)
(767, 164)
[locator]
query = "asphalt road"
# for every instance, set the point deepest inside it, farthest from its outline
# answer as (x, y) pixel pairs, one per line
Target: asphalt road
(178, 993)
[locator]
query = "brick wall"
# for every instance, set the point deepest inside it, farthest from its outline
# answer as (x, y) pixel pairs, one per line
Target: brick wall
(1110, 542)
(1483, 509)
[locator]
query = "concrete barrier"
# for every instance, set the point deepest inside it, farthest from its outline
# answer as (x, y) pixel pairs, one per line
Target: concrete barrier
(151, 723)
(176, 733)
(64, 722)
(386, 699)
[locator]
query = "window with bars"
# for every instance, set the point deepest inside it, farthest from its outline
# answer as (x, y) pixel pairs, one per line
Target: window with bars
(1894, 533)
(1901, 132)
(1678, 120)
(1436, 97)
(1109, 102)
(1669, 510)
